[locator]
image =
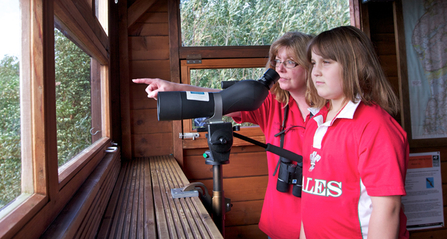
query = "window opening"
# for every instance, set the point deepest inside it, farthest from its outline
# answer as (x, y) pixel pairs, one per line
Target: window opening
(256, 22)
(10, 117)
(73, 98)
(101, 13)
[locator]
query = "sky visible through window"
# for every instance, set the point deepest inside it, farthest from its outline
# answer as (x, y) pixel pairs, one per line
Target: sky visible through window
(10, 25)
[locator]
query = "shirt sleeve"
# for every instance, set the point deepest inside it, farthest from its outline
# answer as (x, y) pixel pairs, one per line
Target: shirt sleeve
(383, 156)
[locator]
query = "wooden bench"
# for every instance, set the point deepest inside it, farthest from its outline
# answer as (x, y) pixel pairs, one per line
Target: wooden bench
(142, 205)
(133, 201)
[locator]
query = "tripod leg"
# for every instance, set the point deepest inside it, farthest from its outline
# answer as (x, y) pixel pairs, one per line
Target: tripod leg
(218, 199)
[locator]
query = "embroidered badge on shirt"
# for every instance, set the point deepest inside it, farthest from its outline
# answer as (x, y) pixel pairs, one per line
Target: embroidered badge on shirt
(314, 158)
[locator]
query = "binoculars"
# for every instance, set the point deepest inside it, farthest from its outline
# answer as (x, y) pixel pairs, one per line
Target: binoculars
(290, 174)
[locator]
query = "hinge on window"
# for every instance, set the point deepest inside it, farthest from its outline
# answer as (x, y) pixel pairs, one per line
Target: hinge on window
(194, 59)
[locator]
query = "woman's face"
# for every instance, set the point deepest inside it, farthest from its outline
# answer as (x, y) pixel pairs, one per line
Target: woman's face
(291, 79)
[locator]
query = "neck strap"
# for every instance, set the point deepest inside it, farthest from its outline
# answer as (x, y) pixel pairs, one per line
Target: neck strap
(282, 133)
(283, 126)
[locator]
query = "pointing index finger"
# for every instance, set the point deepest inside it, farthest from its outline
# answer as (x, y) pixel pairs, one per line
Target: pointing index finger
(142, 80)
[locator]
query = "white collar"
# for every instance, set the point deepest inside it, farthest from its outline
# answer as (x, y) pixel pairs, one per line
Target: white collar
(346, 113)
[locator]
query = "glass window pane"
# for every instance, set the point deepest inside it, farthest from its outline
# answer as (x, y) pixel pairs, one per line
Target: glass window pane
(101, 12)
(73, 98)
(10, 139)
(256, 22)
(212, 78)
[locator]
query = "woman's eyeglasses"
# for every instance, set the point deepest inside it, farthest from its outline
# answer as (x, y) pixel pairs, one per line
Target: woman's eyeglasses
(289, 64)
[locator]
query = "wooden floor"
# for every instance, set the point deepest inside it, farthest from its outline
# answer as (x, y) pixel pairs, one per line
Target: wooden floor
(141, 205)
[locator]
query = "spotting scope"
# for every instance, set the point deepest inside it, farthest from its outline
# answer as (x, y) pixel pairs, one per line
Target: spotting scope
(245, 95)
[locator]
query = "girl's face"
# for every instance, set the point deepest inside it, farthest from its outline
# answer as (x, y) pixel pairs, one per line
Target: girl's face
(327, 77)
(291, 79)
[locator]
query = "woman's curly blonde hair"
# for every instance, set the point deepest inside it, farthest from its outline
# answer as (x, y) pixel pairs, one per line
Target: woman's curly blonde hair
(295, 43)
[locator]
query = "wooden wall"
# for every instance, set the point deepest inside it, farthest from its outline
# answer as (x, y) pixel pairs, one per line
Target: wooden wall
(381, 30)
(381, 24)
(149, 57)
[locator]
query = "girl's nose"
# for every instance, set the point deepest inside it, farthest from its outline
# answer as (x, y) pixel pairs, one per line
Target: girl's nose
(315, 70)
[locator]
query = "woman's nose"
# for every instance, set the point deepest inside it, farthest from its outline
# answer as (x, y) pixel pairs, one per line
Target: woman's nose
(280, 67)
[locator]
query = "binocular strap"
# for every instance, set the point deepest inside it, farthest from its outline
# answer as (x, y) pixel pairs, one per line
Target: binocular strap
(282, 133)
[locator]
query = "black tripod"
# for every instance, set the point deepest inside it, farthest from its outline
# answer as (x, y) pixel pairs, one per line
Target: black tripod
(220, 141)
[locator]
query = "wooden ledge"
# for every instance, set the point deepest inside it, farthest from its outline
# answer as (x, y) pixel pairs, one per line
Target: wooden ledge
(142, 206)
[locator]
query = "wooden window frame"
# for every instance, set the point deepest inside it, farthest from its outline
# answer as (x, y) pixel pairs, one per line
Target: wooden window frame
(78, 21)
(45, 190)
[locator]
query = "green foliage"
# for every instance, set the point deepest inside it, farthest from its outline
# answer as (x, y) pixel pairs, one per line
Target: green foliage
(73, 112)
(212, 78)
(10, 176)
(73, 103)
(252, 22)
(10, 159)
(256, 22)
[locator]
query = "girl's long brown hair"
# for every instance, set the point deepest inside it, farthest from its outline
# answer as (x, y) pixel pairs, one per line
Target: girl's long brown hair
(362, 73)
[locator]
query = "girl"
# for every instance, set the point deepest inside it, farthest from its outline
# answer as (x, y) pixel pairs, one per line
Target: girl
(355, 153)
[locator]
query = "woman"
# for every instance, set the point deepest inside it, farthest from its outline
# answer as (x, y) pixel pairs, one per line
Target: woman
(284, 110)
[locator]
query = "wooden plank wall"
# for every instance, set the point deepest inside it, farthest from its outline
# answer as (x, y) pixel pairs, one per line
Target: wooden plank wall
(244, 183)
(149, 57)
(383, 37)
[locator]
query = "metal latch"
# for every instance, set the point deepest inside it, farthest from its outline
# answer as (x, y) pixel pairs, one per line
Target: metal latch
(194, 59)
(192, 190)
(192, 136)
(181, 193)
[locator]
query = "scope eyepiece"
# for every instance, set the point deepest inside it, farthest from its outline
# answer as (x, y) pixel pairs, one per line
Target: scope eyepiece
(269, 78)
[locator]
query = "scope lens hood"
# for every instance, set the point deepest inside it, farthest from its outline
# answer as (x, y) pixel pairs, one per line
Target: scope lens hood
(177, 105)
